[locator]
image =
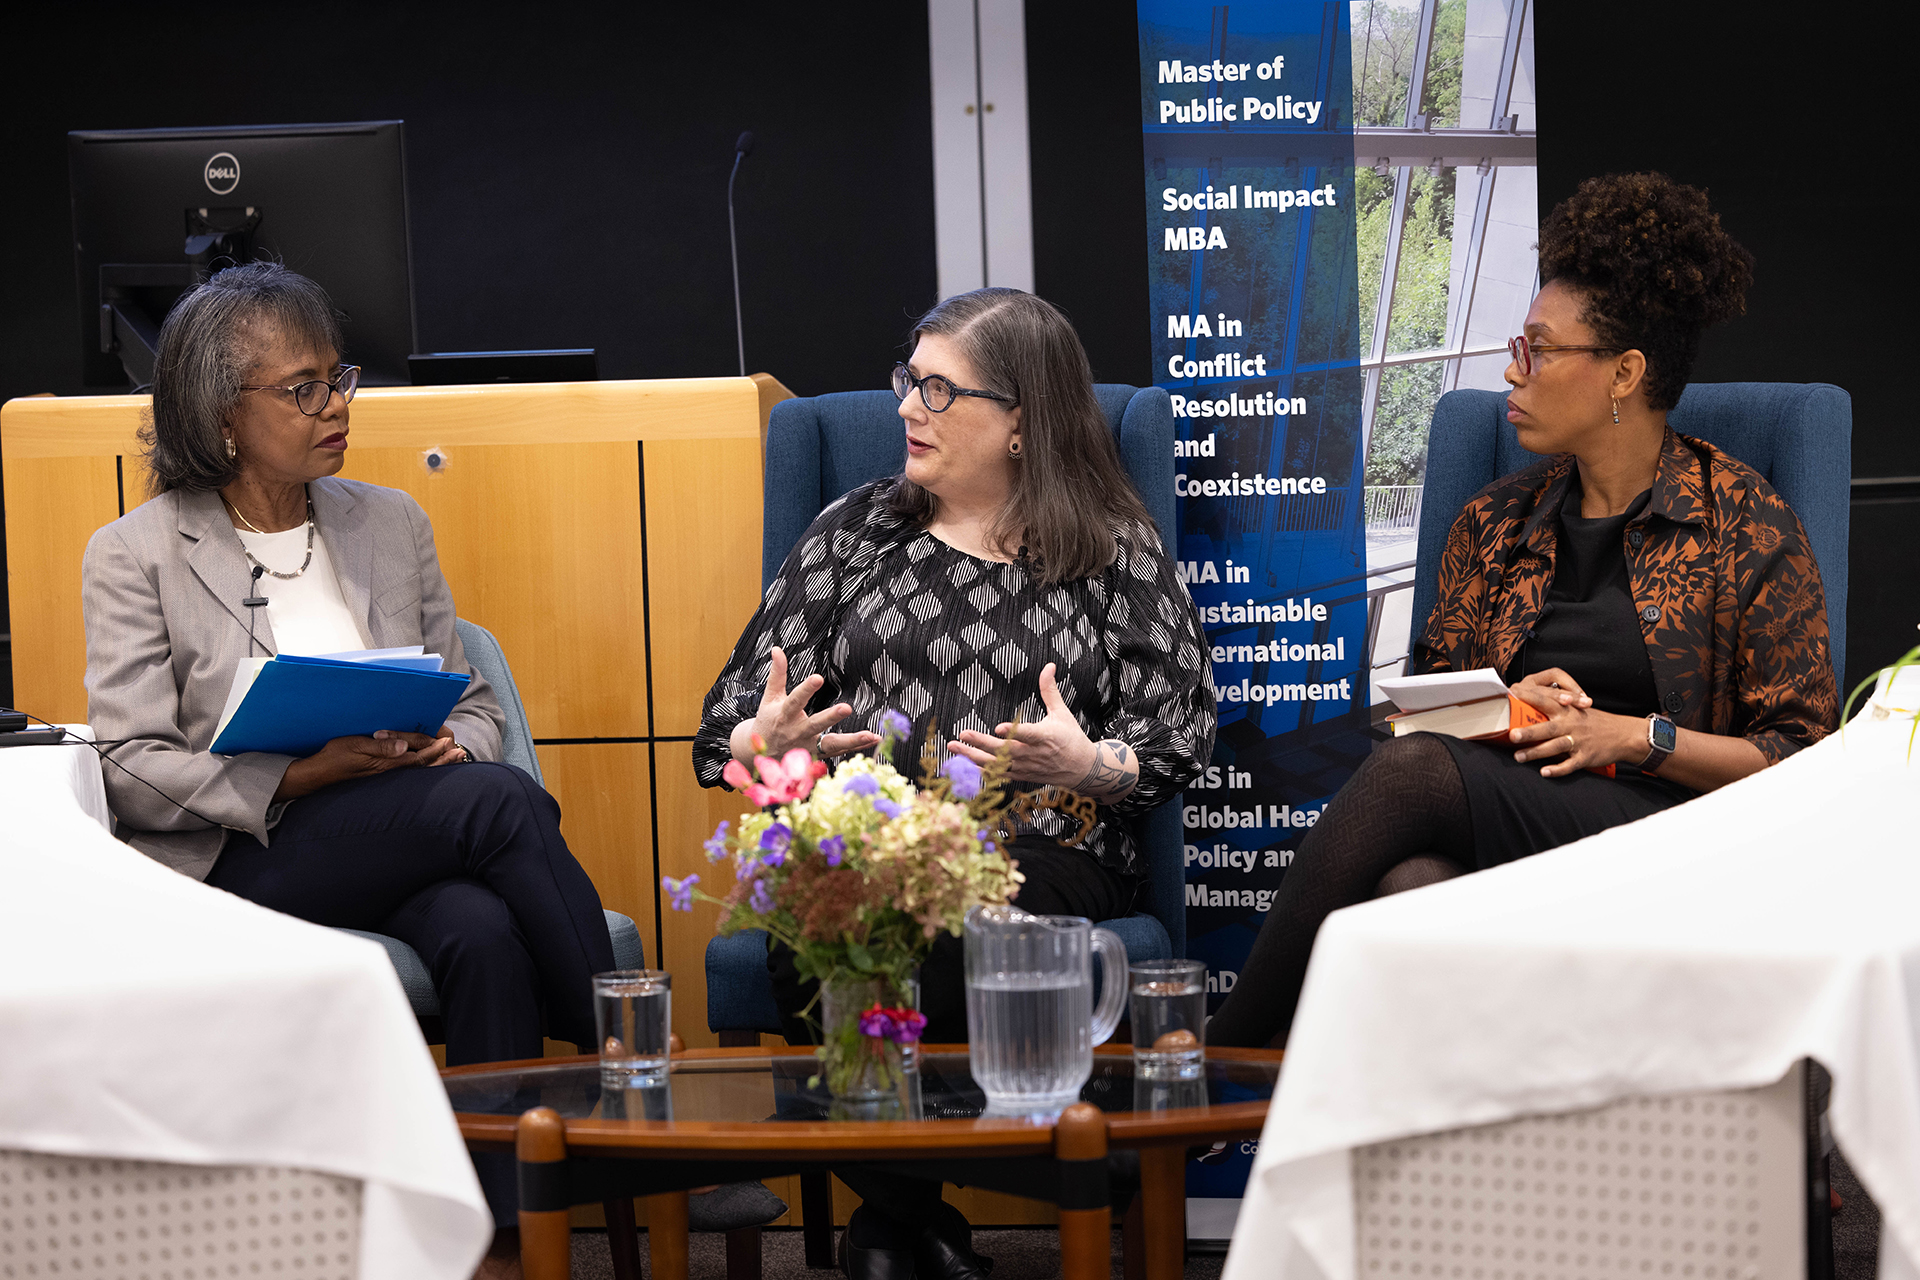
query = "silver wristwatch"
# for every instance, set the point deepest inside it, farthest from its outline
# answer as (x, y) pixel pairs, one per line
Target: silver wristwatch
(1662, 737)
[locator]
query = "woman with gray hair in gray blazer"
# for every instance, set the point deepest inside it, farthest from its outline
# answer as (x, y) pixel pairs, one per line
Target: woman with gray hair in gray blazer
(421, 837)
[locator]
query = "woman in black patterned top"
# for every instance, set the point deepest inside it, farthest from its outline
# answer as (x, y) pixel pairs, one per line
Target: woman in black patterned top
(1010, 573)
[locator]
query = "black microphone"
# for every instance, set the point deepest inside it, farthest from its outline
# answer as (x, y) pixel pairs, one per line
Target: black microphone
(253, 602)
(742, 148)
(256, 600)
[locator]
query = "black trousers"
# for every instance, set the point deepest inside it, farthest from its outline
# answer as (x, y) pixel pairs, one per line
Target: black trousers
(1060, 882)
(464, 863)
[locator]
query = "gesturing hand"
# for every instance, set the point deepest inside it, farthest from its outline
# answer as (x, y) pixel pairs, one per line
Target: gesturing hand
(1056, 751)
(782, 722)
(1582, 737)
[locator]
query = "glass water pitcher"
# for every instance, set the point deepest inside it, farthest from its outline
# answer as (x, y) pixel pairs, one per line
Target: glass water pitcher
(1031, 1024)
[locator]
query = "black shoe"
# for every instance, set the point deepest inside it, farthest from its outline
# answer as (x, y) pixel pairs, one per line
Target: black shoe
(939, 1258)
(874, 1264)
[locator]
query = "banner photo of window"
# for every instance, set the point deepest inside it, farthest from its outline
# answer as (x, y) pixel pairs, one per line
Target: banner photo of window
(1341, 217)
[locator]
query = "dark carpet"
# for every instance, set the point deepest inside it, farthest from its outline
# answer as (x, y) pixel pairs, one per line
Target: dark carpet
(1027, 1253)
(1856, 1230)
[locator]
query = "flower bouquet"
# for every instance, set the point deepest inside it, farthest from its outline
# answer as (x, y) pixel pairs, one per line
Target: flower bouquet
(857, 872)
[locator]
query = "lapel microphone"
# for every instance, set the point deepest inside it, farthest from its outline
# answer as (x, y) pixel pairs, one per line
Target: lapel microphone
(253, 602)
(256, 600)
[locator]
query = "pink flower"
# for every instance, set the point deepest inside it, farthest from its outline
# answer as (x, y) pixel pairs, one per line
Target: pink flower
(782, 781)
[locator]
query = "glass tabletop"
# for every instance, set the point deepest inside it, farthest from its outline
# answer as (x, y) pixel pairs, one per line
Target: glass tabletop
(754, 1087)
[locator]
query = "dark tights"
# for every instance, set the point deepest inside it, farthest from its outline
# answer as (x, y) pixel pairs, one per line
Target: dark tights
(1060, 882)
(1400, 823)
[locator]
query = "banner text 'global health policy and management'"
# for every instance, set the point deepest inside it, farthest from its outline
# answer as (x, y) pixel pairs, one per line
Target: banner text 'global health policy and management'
(1246, 116)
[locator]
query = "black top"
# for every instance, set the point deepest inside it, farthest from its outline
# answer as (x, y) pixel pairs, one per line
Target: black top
(1589, 626)
(893, 617)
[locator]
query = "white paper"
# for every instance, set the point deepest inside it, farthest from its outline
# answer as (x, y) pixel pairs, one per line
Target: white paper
(1443, 688)
(243, 678)
(412, 657)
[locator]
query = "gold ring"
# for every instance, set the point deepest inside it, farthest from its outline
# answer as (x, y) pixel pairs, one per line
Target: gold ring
(1569, 744)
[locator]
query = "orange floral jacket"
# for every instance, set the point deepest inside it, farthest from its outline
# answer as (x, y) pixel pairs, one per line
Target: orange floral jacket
(1729, 594)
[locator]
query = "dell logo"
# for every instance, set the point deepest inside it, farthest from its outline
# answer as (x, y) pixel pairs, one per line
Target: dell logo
(223, 173)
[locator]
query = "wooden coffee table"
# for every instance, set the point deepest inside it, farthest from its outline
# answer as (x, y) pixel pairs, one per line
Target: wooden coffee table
(739, 1114)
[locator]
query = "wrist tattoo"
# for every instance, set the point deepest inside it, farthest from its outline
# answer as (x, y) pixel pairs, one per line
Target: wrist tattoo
(1114, 772)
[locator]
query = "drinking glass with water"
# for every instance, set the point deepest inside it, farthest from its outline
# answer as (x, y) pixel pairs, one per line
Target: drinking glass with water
(633, 1012)
(1168, 999)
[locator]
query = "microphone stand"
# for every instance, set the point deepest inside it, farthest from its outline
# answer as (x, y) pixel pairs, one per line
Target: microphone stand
(740, 150)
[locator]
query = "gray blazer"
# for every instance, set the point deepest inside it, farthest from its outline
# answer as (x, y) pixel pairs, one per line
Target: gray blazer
(161, 590)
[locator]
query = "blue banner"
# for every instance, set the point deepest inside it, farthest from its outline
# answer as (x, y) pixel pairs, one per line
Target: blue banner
(1247, 123)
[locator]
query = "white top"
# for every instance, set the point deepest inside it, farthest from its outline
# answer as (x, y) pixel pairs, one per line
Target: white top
(1706, 947)
(234, 1035)
(308, 614)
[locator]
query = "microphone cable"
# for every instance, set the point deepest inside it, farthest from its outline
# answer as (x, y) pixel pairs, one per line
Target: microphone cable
(103, 750)
(742, 148)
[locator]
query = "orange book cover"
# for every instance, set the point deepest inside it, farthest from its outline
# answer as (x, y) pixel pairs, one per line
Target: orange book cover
(1521, 713)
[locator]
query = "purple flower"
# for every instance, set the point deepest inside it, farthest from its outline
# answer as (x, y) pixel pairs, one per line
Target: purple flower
(681, 891)
(907, 1025)
(762, 901)
(716, 844)
(890, 808)
(776, 840)
(901, 1025)
(835, 847)
(964, 774)
(893, 725)
(863, 785)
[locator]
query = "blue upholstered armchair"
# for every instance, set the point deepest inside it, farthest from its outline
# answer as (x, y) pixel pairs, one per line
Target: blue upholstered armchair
(1798, 435)
(818, 449)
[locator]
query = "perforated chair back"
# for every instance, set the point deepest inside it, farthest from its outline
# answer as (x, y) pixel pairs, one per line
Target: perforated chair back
(1798, 435)
(1700, 1184)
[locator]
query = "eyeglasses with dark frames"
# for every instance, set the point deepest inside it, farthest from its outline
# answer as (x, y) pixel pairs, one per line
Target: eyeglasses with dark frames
(1524, 351)
(936, 392)
(312, 397)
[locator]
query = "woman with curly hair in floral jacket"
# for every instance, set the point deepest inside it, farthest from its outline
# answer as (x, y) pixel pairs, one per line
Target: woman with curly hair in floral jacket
(1653, 597)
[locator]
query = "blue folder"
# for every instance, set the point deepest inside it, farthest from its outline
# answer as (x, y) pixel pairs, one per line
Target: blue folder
(298, 704)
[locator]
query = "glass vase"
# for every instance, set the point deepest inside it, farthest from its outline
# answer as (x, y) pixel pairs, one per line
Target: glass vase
(858, 1067)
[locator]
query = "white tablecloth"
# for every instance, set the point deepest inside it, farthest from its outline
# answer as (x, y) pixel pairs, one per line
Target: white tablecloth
(146, 1016)
(1707, 947)
(57, 774)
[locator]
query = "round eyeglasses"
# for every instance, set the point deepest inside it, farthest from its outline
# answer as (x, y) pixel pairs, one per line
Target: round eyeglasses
(312, 397)
(1524, 351)
(936, 392)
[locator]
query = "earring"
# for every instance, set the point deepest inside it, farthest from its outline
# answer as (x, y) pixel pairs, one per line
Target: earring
(1616, 412)
(233, 453)
(1013, 450)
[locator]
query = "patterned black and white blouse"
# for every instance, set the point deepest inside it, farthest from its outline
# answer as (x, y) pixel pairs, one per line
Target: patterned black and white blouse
(895, 618)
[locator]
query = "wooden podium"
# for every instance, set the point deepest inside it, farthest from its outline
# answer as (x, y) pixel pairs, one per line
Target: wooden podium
(607, 532)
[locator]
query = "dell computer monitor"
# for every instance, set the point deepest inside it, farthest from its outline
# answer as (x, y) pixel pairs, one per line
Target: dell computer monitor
(157, 210)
